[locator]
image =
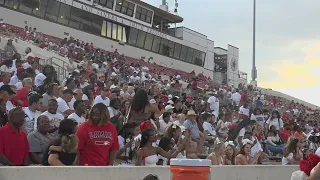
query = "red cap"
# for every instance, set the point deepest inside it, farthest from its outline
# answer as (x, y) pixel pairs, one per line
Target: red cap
(30, 58)
(20, 70)
(145, 125)
(189, 97)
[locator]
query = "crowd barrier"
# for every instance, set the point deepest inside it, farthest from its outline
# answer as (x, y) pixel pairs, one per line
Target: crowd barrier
(271, 172)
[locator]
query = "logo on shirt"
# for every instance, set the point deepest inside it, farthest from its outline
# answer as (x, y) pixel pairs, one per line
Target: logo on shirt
(102, 143)
(100, 134)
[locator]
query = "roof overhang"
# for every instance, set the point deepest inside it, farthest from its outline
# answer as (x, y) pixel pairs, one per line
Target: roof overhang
(169, 17)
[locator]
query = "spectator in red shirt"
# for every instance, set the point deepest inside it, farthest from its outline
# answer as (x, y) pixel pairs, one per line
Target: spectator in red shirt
(243, 98)
(14, 146)
(22, 94)
(275, 101)
(98, 138)
(286, 132)
(285, 116)
(194, 83)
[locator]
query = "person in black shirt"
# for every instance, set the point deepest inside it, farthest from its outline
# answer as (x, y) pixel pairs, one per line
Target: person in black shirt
(66, 154)
(3, 113)
(66, 127)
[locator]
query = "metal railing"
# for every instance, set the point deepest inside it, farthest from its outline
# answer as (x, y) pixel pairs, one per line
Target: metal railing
(60, 66)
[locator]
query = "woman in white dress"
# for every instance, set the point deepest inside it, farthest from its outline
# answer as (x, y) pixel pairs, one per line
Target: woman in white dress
(148, 155)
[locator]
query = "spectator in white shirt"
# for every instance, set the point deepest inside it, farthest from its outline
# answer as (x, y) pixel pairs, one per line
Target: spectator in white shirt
(164, 122)
(54, 117)
(236, 97)
(214, 104)
(80, 109)
(275, 120)
(35, 103)
(134, 78)
(6, 77)
(63, 107)
(207, 126)
(6, 93)
(169, 108)
(102, 98)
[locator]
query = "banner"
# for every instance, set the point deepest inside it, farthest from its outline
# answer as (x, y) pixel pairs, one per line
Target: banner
(233, 66)
(220, 63)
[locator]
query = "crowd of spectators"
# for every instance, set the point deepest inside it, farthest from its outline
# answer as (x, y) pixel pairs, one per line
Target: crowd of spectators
(116, 110)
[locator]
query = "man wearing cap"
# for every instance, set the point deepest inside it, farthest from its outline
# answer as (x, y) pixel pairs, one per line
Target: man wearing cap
(191, 124)
(6, 93)
(101, 80)
(63, 107)
(214, 104)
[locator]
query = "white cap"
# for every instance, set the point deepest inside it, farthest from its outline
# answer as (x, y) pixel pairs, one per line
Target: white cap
(113, 87)
(152, 101)
(113, 74)
(178, 76)
(168, 107)
(170, 96)
(170, 102)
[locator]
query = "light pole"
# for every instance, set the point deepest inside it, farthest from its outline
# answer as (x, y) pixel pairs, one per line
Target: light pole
(254, 69)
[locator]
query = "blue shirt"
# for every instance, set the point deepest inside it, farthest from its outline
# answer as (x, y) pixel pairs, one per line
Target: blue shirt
(195, 132)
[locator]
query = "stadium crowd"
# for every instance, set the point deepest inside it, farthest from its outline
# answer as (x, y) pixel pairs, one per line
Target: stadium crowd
(113, 110)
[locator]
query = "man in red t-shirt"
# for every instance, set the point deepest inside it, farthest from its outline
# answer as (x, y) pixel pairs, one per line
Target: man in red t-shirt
(286, 132)
(14, 146)
(98, 138)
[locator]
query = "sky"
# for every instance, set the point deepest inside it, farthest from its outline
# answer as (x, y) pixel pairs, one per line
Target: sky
(287, 39)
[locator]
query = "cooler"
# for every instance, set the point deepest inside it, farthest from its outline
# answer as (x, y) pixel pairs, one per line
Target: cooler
(190, 169)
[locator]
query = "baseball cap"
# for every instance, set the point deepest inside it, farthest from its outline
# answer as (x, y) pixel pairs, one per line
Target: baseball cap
(152, 101)
(20, 70)
(7, 88)
(168, 108)
(145, 125)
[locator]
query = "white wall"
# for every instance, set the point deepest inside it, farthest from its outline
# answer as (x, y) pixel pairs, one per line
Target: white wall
(59, 30)
(209, 62)
(194, 39)
(138, 173)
